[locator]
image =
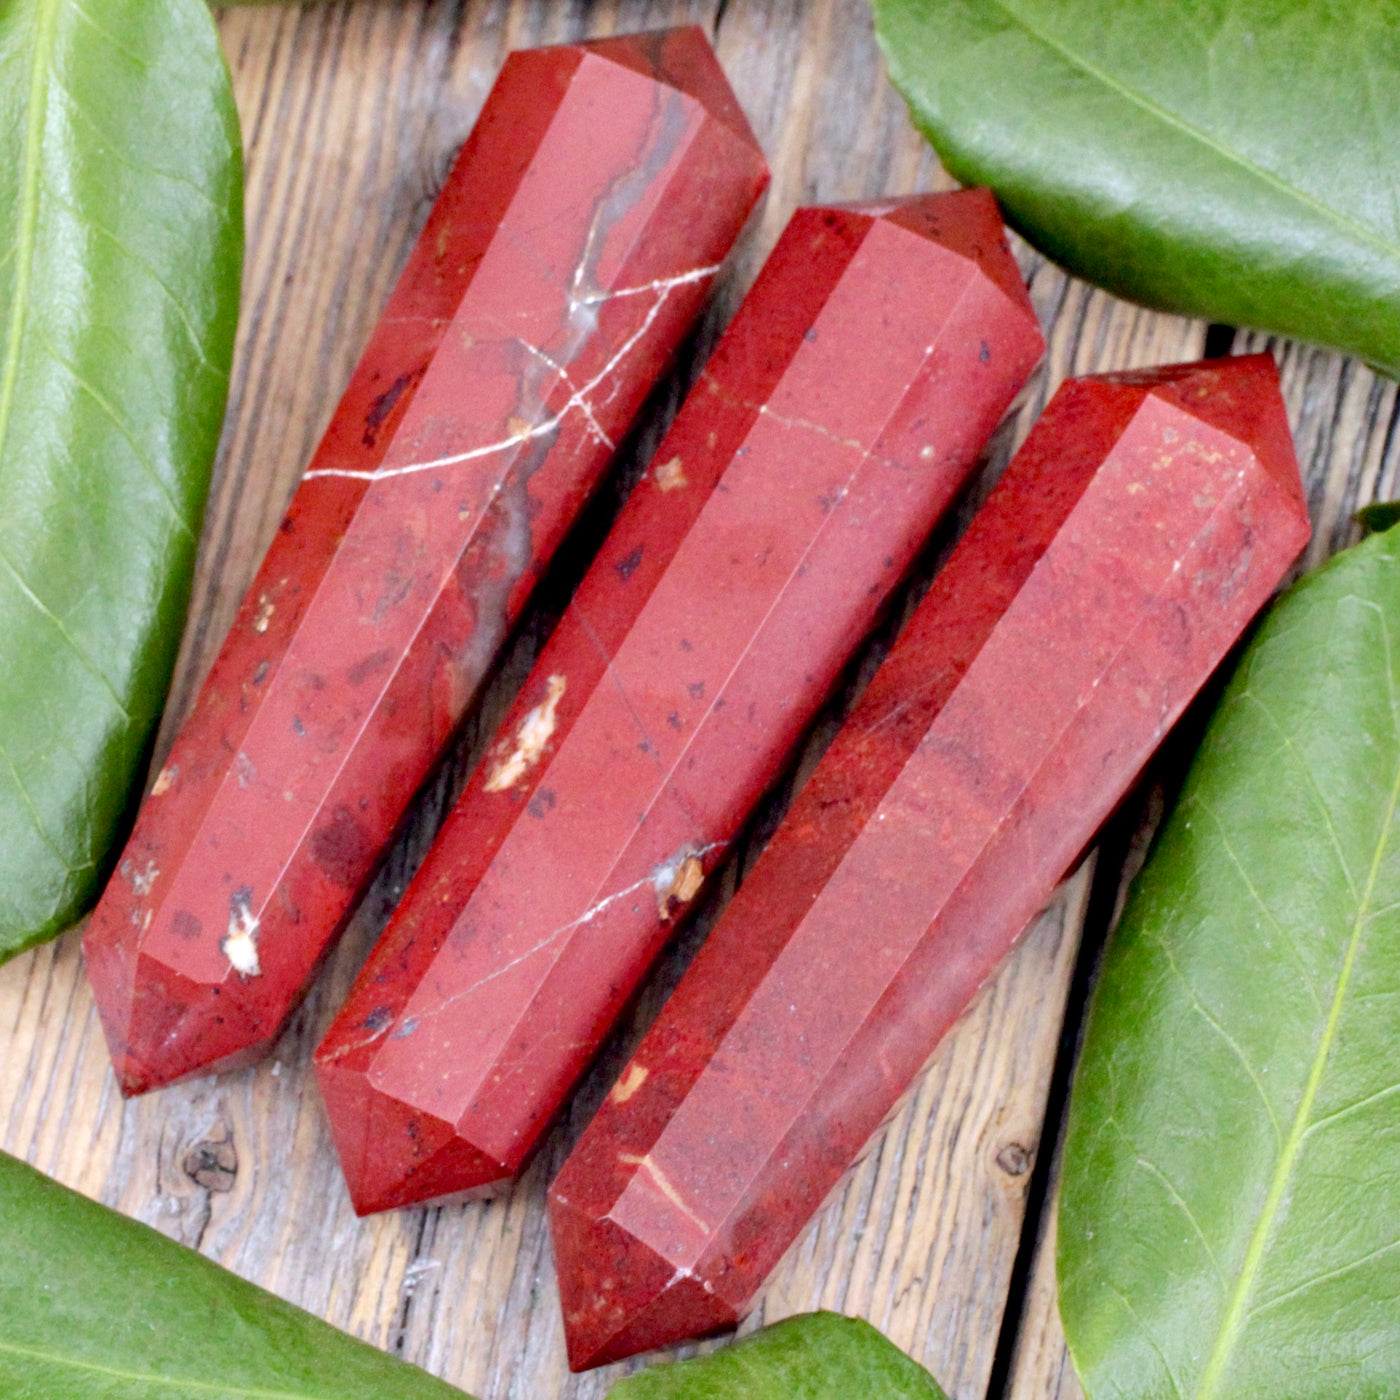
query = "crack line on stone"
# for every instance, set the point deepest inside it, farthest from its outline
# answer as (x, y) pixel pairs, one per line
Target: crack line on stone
(652, 878)
(663, 1184)
(579, 399)
(810, 425)
(663, 291)
(584, 406)
(659, 284)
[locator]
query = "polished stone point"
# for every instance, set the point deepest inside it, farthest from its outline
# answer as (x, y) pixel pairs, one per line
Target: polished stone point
(840, 414)
(1138, 530)
(566, 256)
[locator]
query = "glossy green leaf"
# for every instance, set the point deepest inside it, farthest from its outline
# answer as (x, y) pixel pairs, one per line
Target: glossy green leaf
(818, 1356)
(1234, 159)
(120, 250)
(1379, 515)
(94, 1306)
(1230, 1209)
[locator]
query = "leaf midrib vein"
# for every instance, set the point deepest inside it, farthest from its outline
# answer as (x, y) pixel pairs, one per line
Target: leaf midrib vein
(1237, 1312)
(175, 1383)
(1172, 119)
(27, 239)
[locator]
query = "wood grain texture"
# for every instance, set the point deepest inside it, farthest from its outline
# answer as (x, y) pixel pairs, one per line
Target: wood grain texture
(352, 113)
(1042, 1368)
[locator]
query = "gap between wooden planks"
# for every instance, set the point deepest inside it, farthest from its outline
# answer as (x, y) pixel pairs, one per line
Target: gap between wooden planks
(351, 114)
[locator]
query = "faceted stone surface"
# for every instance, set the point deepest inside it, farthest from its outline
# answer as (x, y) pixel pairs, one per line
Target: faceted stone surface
(840, 413)
(568, 252)
(1142, 524)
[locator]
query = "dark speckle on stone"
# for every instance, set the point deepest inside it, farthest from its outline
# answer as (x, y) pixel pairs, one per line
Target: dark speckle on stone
(985, 353)
(342, 848)
(183, 924)
(542, 802)
(674, 720)
(626, 567)
(696, 689)
(260, 675)
(685, 645)
(297, 726)
(810, 335)
(383, 406)
(375, 662)
(378, 1019)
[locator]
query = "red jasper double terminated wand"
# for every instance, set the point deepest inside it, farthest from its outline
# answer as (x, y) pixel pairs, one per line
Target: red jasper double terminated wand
(568, 252)
(1142, 524)
(841, 412)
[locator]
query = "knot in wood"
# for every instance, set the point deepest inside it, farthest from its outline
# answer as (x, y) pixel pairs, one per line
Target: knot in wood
(213, 1165)
(1014, 1159)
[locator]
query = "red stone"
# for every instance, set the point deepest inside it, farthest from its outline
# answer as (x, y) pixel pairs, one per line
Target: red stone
(1140, 527)
(839, 415)
(567, 254)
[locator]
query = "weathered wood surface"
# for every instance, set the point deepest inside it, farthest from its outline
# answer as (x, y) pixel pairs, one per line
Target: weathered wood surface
(351, 114)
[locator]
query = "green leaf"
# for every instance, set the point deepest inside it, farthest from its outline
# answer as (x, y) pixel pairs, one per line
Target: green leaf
(818, 1356)
(1234, 159)
(94, 1306)
(1379, 515)
(1230, 1210)
(121, 239)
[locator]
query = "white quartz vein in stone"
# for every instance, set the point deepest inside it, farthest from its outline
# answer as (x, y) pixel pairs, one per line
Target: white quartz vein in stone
(660, 880)
(239, 945)
(579, 400)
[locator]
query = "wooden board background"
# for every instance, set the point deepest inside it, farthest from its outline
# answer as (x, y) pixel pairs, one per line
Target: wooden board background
(943, 1234)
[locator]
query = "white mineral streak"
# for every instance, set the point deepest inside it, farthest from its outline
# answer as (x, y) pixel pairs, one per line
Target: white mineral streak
(670, 476)
(534, 732)
(679, 878)
(663, 873)
(142, 881)
(239, 944)
(632, 1079)
(594, 426)
(662, 876)
(682, 1273)
(580, 400)
(663, 1184)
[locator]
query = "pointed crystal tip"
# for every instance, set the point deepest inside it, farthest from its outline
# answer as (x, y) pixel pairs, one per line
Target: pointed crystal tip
(683, 59)
(395, 1155)
(618, 1295)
